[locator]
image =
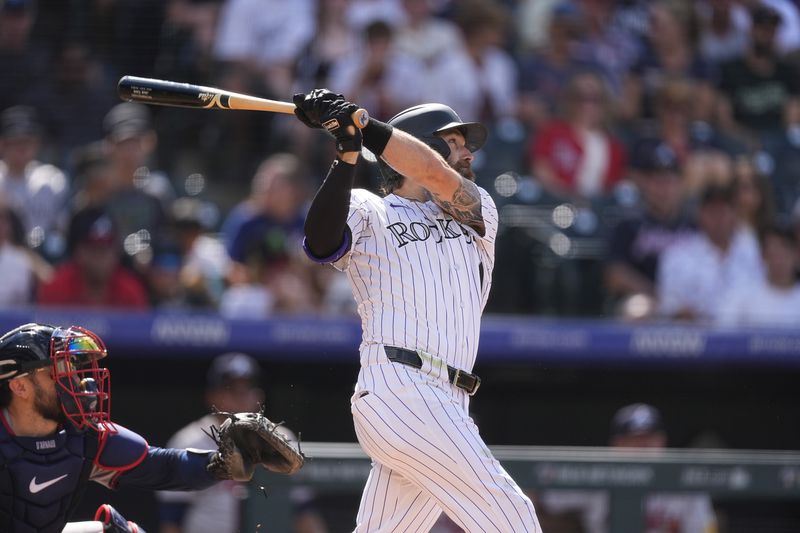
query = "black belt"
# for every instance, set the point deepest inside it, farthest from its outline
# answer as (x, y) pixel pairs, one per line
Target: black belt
(459, 378)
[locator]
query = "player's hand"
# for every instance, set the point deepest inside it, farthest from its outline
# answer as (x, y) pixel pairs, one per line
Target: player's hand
(322, 108)
(310, 106)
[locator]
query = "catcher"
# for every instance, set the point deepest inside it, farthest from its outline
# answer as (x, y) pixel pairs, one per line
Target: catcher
(56, 434)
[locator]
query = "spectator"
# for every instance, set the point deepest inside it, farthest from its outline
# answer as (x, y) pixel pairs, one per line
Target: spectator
(141, 196)
(724, 25)
(92, 275)
(787, 38)
(275, 206)
(22, 62)
(377, 75)
(269, 282)
(577, 157)
(265, 37)
(753, 196)
(73, 101)
(424, 36)
(37, 191)
(636, 244)
(332, 40)
(669, 54)
(92, 177)
(761, 90)
(694, 273)
(16, 268)
(777, 301)
(204, 258)
(611, 47)
(479, 79)
(636, 426)
(531, 22)
(547, 70)
(673, 103)
(233, 384)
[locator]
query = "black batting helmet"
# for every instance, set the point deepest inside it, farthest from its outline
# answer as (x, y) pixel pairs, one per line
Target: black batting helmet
(425, 122)
(24, 349)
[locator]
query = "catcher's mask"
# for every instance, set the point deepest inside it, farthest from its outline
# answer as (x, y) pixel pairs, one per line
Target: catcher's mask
(83, 388)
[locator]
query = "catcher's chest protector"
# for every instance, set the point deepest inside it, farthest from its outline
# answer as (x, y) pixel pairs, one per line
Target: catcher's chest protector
(41, 479)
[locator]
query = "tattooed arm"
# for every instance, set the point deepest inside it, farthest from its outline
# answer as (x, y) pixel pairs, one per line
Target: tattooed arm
(456, 195)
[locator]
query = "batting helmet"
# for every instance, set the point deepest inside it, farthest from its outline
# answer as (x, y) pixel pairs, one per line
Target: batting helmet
(425, 122)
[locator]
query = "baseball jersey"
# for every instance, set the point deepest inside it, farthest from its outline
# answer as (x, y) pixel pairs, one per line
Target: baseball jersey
(420, 279)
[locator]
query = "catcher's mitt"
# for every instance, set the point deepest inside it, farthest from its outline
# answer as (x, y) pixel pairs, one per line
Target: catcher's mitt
(247, 439)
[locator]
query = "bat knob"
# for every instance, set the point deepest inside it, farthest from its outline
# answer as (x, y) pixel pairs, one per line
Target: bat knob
(360, 118)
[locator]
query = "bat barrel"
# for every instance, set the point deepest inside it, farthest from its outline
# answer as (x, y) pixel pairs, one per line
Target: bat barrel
(152, 91)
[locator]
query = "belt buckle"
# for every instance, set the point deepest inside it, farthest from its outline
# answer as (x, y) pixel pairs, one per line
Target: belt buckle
(476, 387)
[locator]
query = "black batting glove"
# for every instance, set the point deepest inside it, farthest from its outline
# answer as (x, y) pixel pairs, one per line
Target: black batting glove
(309, 107)
(338, 120)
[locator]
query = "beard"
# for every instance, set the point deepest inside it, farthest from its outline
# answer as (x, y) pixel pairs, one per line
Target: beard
(47, 405)
(464, 168)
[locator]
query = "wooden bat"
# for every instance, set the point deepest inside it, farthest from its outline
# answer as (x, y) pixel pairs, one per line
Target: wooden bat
(171, 93)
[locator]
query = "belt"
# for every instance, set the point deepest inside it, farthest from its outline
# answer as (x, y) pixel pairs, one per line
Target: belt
(460, 378)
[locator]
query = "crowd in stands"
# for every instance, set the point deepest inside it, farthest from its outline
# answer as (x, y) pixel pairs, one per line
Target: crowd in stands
(644, 154)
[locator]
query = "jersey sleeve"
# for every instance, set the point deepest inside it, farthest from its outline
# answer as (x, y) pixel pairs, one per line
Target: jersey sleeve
(490, 216)
(358, 224)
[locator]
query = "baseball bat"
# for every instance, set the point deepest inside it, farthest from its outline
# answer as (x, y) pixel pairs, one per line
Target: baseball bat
(171, 93)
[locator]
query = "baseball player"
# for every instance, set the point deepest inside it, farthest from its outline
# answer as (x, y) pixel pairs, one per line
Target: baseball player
(56, 433)
(419, 261)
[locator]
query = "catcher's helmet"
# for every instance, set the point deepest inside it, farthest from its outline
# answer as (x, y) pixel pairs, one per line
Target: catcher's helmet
(72, 355)
(24, 349)
(426, 120)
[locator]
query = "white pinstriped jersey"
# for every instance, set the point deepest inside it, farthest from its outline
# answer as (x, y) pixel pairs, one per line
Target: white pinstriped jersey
(420, 279)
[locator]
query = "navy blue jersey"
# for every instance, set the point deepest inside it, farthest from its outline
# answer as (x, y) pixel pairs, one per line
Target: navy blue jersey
(41, 478)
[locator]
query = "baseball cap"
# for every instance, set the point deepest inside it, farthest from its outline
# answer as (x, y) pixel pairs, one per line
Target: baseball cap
(636, 419)
(127, 120)
(91, 226)
(764, 14)
(230, 366)
(19, 121)
(650, 155)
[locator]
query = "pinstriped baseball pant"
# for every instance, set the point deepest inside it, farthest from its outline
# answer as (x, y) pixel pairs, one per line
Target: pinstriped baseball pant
(428, 457)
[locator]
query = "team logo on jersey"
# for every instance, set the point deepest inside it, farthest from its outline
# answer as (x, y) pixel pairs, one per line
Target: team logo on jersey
(418, 231)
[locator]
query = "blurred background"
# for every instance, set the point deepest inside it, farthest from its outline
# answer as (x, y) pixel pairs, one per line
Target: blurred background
(644, 157)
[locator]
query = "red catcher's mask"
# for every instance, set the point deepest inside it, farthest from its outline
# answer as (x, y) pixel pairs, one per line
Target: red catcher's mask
(84, 389)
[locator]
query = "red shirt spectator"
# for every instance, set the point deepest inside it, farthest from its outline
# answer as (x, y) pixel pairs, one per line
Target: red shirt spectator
(68, 288)
(93, 275)
(564, 149)
(576, 156)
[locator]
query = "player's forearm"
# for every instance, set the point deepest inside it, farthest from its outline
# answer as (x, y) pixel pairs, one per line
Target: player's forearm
(170, 469)
(419, 163)
(326, 221)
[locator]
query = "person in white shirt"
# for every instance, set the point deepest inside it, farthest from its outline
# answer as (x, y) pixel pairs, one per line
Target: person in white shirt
(265, 36)
(694, 273)
(35, 190)
(15, 265)
(478, 80)
(776, 302)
